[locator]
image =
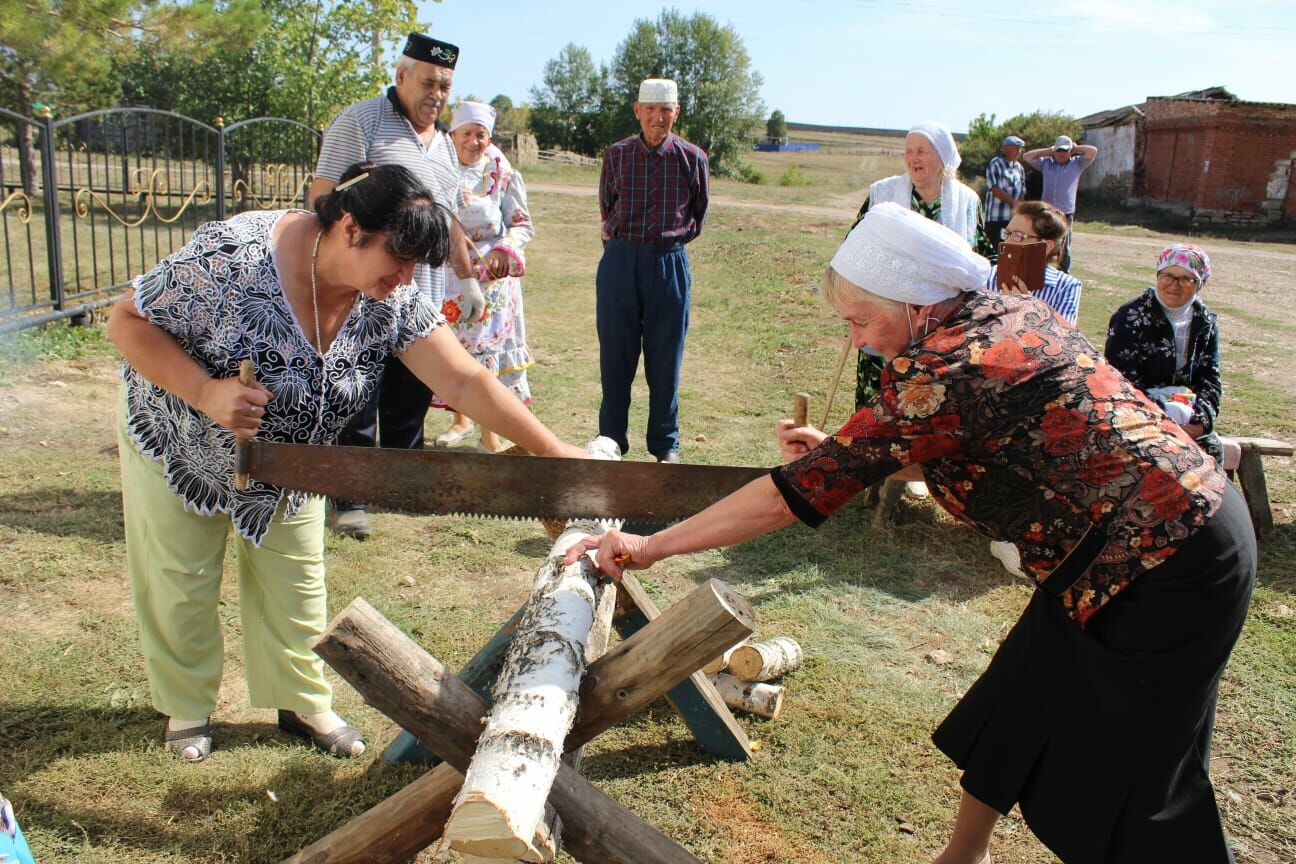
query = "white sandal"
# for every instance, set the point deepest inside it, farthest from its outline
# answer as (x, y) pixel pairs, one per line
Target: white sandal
(450, 437)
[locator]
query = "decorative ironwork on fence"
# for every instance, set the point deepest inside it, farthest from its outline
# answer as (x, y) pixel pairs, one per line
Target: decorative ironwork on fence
(117, 190)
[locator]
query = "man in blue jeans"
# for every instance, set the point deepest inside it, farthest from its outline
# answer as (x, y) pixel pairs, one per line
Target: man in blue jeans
(653, 199)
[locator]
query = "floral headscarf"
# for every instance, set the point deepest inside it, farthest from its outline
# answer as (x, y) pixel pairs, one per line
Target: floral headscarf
(1192, 258)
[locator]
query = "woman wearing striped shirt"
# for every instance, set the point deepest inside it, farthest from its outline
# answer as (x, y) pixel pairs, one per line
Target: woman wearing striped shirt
(1036, 220)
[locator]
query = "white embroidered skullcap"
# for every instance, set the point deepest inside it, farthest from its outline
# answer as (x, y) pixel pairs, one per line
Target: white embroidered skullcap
(657, 90)
(896, 253)
(473, 112)
(942, 140)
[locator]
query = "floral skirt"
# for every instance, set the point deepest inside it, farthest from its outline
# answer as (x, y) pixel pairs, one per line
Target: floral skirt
(498, 341)
(1102, 734)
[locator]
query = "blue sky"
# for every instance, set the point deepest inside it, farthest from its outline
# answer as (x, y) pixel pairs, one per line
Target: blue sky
(892, 63)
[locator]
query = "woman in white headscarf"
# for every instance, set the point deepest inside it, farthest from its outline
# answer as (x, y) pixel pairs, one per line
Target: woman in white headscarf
(493, 210)
(930, 187)
(1095, 714)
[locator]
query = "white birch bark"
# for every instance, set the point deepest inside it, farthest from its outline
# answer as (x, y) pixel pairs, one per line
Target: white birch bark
(761, 661)
(499, 813)
(755, 697)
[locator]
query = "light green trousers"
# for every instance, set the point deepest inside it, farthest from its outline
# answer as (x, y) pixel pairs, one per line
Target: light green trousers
(175, 556)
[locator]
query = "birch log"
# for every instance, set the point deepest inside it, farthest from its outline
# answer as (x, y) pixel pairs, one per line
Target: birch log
(761, 661)
(721, 663)
(500, 812)
(755, 697)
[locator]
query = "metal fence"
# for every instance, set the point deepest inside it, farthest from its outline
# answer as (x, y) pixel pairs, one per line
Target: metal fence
(89, 202)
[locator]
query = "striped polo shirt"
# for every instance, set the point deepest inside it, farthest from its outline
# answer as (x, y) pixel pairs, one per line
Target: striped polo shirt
(377, 130)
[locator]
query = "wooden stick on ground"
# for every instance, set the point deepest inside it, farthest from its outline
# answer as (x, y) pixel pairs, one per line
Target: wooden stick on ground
(832, 392)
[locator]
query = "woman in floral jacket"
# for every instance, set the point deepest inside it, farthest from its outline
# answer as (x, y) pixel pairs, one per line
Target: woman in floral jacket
(493, 209)
(1095, 714)
(1166, 343)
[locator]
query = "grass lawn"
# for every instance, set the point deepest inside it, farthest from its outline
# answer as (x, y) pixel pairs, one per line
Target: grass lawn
(847, 774)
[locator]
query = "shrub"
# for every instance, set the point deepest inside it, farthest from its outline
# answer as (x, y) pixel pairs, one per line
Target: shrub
(794, 176)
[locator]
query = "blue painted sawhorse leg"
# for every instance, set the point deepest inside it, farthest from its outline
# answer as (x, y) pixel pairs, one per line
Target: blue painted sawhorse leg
(695, 698)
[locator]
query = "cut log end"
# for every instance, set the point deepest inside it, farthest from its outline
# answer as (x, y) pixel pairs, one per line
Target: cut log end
(737, 605)
(480, 828)
(761, 661)
(721, 663)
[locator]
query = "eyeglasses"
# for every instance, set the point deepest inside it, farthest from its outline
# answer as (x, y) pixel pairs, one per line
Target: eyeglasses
(1185, 282)
(1017, 236)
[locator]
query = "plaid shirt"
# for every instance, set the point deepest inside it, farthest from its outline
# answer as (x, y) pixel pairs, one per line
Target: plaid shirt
(1011, 178)
(654, 196)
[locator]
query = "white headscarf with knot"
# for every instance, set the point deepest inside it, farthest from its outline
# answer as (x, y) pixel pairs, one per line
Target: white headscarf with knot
(942, 139)
(896, 253)
(473, 112)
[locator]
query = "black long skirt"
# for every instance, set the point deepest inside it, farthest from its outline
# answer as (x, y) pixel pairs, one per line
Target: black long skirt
(1102, 733)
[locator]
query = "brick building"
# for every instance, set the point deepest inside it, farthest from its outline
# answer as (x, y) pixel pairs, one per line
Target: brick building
(1205, 154)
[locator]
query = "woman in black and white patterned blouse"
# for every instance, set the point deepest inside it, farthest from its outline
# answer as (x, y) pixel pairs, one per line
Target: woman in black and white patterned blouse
(318, 301)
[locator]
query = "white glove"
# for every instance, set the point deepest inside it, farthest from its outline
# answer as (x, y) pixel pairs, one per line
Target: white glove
(1177, 411)
(472, 302)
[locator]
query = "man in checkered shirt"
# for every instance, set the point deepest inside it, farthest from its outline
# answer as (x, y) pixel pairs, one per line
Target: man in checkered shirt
(1005, 187)
(653, 199)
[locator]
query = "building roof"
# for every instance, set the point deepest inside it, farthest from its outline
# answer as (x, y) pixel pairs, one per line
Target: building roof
(1113, 117)
(1130, 113)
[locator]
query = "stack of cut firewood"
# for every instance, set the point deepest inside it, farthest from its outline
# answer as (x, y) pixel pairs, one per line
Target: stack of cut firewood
(744, 675)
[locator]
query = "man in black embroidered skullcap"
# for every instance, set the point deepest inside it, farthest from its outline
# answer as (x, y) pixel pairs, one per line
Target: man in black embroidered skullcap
(400, 127)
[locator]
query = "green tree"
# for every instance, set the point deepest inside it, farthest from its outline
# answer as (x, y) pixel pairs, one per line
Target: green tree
(510, 117)
(312, 60)
(566, 109)
(719, 91)
(63, 53)
(1037, 129)
(776, 127)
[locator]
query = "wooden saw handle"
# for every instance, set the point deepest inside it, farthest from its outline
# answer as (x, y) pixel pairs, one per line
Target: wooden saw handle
(800, 410)
(247, 377)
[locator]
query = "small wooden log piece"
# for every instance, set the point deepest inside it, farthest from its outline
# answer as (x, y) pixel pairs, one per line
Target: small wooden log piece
(761, 661)
(721, 663)
(755, 697)
(800, 409)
